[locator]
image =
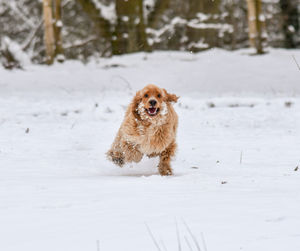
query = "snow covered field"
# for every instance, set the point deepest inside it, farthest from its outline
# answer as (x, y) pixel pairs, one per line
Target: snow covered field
(235, 183)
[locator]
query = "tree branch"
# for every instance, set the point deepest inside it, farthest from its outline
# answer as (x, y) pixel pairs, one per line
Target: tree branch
(80, 43)
(17, 10)
(31, 36)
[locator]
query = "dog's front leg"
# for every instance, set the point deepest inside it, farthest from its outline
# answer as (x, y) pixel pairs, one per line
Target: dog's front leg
(131, 152)
(124, 153)
(165, 157)
(117, 157)
(116, 153)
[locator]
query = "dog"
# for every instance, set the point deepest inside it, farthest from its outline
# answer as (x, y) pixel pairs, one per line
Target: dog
(149, 128)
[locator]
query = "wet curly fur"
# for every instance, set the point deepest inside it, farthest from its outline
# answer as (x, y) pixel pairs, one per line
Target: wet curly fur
(149, 128)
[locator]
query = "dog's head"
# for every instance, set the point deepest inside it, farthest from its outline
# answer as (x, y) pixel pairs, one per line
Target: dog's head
(151, 102)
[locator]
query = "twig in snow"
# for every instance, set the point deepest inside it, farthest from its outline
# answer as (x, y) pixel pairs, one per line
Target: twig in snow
(125, 80)
(188, 243)
(73, 125)
(152, 237)
(192, 235)
(65, 89)
(296, 62)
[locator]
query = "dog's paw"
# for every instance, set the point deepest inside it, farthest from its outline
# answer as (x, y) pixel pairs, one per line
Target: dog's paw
(118, 161)
(116, 157)
(165, 170)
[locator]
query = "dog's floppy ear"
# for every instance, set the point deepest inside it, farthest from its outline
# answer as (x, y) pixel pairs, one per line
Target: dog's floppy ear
(134, 105)
(170, 97)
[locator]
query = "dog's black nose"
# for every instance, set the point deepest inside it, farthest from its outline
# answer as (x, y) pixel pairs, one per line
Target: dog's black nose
(152, 102)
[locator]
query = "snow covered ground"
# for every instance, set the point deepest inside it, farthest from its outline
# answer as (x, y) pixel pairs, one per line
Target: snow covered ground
(235, 183)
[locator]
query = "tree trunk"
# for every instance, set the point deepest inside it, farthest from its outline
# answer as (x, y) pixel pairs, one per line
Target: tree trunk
(142, 35)
(102, 26)
(49, 32)
(130, 33)
(259, 25)
(155, 15)
(290, 20)
(208, 36)
(57, 30)
(255, 25)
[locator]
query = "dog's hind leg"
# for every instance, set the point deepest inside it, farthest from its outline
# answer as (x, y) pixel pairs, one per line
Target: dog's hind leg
(165, 157)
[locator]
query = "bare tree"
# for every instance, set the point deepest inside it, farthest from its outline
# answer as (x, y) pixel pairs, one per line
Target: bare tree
(57, 30)
(255, 21)
(49, 31)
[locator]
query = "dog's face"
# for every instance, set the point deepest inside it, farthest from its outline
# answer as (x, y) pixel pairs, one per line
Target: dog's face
(151, 100)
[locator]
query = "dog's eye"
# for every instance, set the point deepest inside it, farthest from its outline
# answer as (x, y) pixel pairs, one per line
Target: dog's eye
(146, 96)
(159, 96)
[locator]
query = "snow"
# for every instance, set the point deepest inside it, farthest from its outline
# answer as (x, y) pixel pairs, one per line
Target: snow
(234, 183)
(16, 49)
(148, 6)
(170, 27)
(197, 23)
(59, 23)
(200, 44)
(107, 11)
(125, 18)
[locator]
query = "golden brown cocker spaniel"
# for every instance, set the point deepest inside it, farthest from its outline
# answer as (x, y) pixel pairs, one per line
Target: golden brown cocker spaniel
(149, 128)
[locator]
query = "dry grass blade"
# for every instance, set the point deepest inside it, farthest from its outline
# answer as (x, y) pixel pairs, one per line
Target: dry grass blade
(296, 62)
(163, 245)
(188, 243)
(152, 237)
(178, 236)
(204, 242)
(192, 235)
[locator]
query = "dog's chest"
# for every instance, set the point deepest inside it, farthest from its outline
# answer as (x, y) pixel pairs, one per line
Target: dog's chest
(149, 132)
(152, 138)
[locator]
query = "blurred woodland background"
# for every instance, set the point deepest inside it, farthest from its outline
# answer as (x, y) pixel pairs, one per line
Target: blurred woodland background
(44, 31)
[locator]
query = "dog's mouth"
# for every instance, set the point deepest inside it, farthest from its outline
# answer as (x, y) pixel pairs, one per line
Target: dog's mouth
(152, 111)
